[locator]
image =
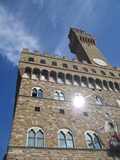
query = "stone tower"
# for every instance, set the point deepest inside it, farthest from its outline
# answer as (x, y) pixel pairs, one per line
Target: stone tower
(66, 109)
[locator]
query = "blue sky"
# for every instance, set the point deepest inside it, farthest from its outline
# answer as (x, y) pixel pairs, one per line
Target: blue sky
(44, 25)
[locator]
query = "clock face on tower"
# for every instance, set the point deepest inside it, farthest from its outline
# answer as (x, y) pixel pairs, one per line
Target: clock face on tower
(100, 62)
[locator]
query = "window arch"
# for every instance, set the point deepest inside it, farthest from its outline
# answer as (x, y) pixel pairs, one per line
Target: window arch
(42, 61)
(103, 73)
(65, 139)
(92, 140)
(93, 70)
(31, 59)
(54, 63)
(35, 137)
(37, 92)
(75, 67)
(85, 69)
(98, 101)
(112, 74)
(65, 65)
(58, 95)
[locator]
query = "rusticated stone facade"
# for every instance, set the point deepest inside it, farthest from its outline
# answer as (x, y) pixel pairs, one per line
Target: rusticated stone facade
(67, 77)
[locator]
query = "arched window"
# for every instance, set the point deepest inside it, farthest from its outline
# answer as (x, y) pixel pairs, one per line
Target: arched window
(65, 65)
(98, 101)
(40, 139)
(54, 63)
(103, 73)
(31, 138)
(58, 95)
(37, 92)
(61, 96)
(92, 140)
(65, 139)
(42, 61)
(112, 74)
(89, 141)
(69, 140)
(35, 137)
(34, 92)
(85, 69)
(93, 71)
(40, 93)
(75, 67)
(62, 141)
(31, 59)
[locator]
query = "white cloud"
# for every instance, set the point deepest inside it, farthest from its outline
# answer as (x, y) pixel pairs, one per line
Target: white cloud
(13, 37)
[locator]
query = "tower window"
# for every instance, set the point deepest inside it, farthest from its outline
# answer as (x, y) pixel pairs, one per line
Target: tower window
(93, 141)
(65, 65)
(62, 111)
(93, 71)
(85, 69)
(112, 74)
(42, 61)
(31, 59)
(65, 139)
(58, 95)
(36, 92)
(75, 67)
(103, 73)
(35, 138)
(54, 63)
(98, 101)
(37, 109)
